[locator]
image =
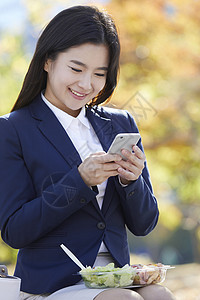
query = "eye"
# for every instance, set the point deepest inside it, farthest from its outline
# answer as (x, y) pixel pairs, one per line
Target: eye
(76, 70)
(100, 74)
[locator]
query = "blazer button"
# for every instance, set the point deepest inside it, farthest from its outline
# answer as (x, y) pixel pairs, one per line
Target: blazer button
(131, 193)
(101, 225)
(82, 200)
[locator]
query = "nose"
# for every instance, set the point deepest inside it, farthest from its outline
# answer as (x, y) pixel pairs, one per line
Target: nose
(85, 82)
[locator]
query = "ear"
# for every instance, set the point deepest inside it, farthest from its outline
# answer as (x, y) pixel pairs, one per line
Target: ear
(47, 65)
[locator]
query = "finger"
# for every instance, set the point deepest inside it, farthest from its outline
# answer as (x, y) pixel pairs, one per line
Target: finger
(135, 158)
(128, 175)
(113, 157)
(130, 157)
(138, 152)
(111, 173)
(104, 177)
(93, 173)
(131, 163)
(132, 169)
(108, 157)
(98, 153)
(110, 166)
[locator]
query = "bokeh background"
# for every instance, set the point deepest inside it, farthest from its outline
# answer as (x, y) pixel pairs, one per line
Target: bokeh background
(159, 85)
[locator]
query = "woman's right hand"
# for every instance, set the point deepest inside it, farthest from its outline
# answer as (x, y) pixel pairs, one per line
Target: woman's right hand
(98, 167)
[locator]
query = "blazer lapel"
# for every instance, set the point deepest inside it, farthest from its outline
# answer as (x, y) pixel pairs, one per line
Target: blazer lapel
(104, 130)
(108, 196)
(51, 128)
(102, 127)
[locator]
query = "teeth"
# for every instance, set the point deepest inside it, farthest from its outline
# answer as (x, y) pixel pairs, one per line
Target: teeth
(77, 94)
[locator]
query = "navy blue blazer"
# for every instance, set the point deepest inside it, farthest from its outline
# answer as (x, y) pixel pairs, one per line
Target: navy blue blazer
(44, 201)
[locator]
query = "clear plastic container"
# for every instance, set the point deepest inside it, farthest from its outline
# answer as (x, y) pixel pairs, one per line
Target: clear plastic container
(128, 276)
(150, 274)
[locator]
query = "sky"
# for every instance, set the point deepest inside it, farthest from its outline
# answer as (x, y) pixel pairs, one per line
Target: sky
(13, 13)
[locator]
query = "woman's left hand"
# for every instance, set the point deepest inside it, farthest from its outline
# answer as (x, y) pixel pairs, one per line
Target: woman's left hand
(131, 168)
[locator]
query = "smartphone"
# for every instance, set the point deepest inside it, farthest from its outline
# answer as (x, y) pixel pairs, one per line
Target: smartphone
(124, 141)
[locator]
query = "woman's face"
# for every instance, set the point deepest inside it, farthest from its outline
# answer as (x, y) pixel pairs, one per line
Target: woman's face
(76, 76)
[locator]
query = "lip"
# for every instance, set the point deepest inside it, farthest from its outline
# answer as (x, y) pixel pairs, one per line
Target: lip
(81, 96)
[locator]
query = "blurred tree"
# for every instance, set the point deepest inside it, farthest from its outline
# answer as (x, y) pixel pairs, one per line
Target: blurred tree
(160, 60)
(13, 65)
(159, 84)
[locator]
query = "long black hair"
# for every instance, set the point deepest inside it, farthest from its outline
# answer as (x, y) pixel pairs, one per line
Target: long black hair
(73, 26)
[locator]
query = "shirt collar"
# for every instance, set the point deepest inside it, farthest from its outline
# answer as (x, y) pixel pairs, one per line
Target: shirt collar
(64, 117)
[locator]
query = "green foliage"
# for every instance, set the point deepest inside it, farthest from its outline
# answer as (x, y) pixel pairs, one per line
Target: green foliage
(13, 66)
(7, 254)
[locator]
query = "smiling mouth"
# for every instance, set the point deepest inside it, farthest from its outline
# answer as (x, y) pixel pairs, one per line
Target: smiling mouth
(77, 93)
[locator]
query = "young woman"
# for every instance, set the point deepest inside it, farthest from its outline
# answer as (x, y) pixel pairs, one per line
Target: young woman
(58, 184)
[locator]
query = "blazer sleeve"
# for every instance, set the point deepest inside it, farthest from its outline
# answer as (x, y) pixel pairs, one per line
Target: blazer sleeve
(22, 211)
(137, 199)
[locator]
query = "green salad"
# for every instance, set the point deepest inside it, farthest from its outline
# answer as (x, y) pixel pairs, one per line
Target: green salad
(108, 276)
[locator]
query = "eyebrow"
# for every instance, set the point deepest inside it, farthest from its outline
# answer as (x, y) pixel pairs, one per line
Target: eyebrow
(79, 63)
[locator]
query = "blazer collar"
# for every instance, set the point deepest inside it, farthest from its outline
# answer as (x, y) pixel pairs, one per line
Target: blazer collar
(52, 129)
